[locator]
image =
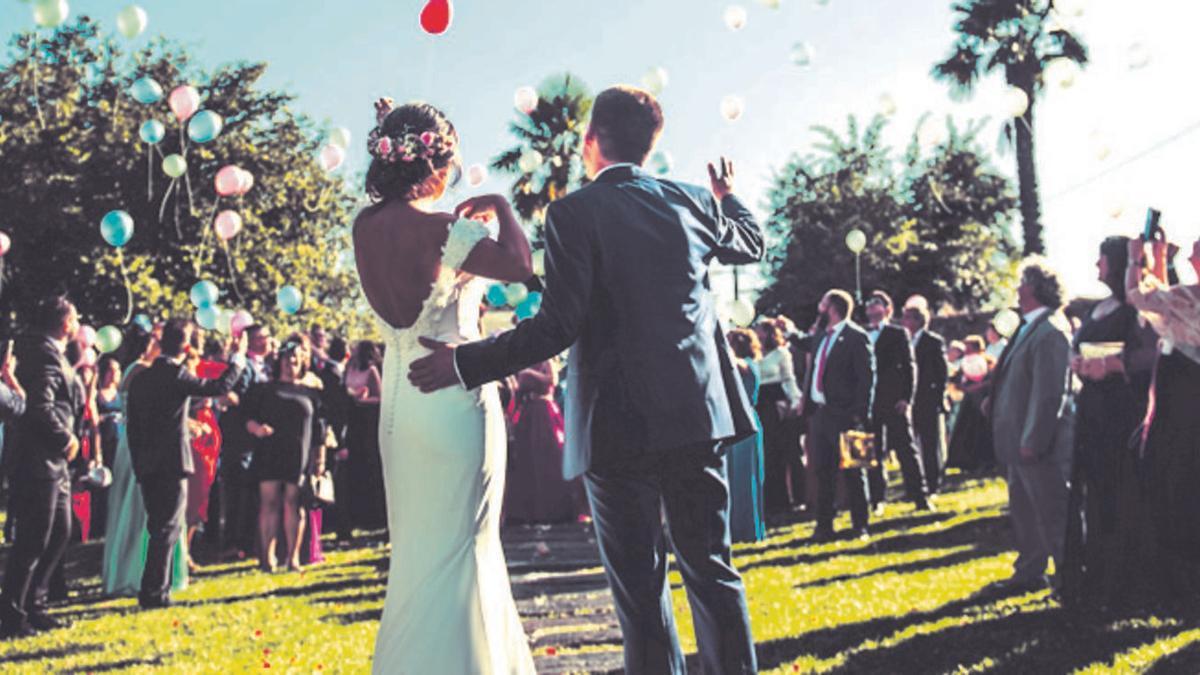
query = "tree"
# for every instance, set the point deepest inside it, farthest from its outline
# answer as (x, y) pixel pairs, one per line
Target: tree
(69, 141)
(546, 160)
(1025, 40)
(937, 222)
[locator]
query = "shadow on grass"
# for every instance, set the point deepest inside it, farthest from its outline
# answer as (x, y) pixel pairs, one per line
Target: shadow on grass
(948, 560)
(123, 664)
(38, 655)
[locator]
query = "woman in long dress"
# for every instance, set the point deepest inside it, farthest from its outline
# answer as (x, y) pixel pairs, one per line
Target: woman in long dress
(747, 523)
(449, 607)
(778, 398)
(125, 530)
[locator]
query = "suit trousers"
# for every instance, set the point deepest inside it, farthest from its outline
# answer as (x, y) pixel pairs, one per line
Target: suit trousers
(894, 433)
(42, 509)
(1037, 502)
(930, 428)
(628, 499)
(166, 504)
(824, 432)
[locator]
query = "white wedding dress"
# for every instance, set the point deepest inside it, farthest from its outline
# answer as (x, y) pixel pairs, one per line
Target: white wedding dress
(449, 607)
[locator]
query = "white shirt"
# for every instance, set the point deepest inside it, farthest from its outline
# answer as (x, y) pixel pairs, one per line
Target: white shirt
(817, 396)
(917, 337)
(778, 367)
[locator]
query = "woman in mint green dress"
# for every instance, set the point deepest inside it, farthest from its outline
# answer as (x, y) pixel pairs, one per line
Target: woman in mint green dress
(126, 537)
(747, 522)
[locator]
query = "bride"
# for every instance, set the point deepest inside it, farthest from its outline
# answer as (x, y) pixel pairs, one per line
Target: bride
(449, 606)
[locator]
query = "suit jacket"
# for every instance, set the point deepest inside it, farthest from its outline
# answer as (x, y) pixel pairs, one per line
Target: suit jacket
(627, 289)
(35, 444)
(1031, 393)
(932, 374)
(156, 422)
(849, 375)
(895, 369)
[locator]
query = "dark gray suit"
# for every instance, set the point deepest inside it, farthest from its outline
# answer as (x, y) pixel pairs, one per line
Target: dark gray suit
(652, 393)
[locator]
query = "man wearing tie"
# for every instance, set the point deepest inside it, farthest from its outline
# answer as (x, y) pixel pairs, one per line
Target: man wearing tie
(929, 402)
(892, 415)
(160, 446)
(838, 392)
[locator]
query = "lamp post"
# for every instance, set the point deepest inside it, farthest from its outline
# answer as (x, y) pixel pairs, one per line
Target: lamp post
(856, 241)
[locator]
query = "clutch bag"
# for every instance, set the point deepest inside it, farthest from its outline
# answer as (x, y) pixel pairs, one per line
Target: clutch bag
(857, 450)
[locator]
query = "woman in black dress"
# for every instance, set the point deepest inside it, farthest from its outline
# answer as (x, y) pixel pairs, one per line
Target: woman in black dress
(284, 415)
(1109, 407)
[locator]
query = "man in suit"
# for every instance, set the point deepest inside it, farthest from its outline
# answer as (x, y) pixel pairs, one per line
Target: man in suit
(652, 391)
(160, 446)
(929, 402)
(1032, 425)
(895, 382)
(838, 399)
(38, 448)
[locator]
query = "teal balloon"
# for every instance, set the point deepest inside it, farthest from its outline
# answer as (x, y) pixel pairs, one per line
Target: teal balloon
(204, 294)
(535, 297)
(117, 228)
(205, 126)
(152, 132)
(146, 91)
(496, 296)
(143, 321)
(290, 299)
(516, 294)
(530, 306)
(208, 317)
(108, 339)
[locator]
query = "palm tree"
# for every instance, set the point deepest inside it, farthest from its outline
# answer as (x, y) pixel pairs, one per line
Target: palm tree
(1022, 38)
(546, 160)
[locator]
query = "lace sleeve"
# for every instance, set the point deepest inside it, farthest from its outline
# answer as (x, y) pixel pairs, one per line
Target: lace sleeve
(465, 234)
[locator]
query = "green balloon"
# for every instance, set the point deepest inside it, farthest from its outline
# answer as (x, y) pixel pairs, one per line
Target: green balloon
(174, 165)
(108, 339)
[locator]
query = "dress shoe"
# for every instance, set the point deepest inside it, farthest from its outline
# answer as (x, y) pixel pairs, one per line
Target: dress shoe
(154, 603)
(822, 535)
(925, 506)
(43, 622)
(1018, 585)
(879, 509)
(16, 629)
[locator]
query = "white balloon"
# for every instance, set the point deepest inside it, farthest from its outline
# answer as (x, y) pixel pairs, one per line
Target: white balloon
(530, 161)
(735, 17)
(131, 21)
(526, 99)
(803, 54)
(477, 174)
(856, 241)
(51, 13)
(655, 80)
(1016, 102)
(932, 133)
(732, 108)
(975, 367)
(1061, 72)
(741, 312)
(887, 105)
(1006, 322)
(340, 137)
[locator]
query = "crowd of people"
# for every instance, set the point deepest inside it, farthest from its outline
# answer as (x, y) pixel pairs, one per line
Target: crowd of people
(1089, 419)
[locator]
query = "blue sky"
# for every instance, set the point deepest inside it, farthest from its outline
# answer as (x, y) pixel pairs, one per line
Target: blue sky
(337, 57)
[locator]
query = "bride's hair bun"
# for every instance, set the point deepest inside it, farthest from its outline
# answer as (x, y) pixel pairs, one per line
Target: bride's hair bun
(410, 143)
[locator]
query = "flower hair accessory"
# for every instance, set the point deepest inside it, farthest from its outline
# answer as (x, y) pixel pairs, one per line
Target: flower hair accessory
(410, 145)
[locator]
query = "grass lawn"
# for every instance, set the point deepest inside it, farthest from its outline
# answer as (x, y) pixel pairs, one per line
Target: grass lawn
(899, 604)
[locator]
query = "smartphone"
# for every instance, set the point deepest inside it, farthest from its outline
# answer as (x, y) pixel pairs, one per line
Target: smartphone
(1153, 216)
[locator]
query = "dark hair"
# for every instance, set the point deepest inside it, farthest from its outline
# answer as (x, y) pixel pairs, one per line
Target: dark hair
(49, 313)
(175, 334)
(775, 337)
(254, 329)
(919, 312)
(745, 344)
(1116, 251)
(841, 301)
(399, 179)
(366, 354)
(213, 349)
(1047, 287)
(285, 351)
(105, 366)
(626, 122)
(882, 297)
(338, 349)
(975, 342)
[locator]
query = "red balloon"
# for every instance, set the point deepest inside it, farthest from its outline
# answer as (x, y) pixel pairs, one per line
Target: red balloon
(436, 17)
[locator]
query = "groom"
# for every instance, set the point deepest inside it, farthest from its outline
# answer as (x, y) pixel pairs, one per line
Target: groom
(652, 394)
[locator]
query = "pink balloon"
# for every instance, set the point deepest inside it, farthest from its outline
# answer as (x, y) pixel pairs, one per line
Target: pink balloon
(86, 336)
(228, 181)
(184, 102)
(332, 157)
(5, 244)
(245, 181)
(227, 225)
(240, 321)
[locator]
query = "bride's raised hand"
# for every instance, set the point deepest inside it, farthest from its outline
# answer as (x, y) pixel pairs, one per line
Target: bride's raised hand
(383, 106)
(482, 208)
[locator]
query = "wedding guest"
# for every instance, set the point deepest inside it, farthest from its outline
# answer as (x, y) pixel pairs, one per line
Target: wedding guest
(895, 382)
(955, 351)
(12, 395)
(124, 558)
(778, 400)
(236, 487)
(929, 402)
(747, 520)
(1032, 427)
(995, 342)
(536, 491)
(337, 405)
(311, 552)
(284, 415)
(971, 439)
(159, 444)
(362, 383)
(206, 361)
(1108, 408)
(108, 406)
(1170, 447)
(39, 446)
(839, 400)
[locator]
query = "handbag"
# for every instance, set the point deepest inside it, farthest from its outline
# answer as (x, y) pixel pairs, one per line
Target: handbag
(857, 450)
(317, 488)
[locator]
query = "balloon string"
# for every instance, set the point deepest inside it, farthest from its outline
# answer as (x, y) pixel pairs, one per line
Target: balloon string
(150, 174)
(128, 287)
(232, 273)
(162, 210)
(187, 177)
(36, 82)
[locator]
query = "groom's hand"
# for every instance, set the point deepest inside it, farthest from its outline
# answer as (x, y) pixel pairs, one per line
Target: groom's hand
(721, 178)
(436, 371)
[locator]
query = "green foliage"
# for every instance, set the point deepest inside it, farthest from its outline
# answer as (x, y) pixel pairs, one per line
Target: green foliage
(937, 222)
(69, 143)
(555, 131)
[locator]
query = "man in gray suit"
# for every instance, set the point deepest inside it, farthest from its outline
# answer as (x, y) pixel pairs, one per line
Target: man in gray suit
(1032, 425)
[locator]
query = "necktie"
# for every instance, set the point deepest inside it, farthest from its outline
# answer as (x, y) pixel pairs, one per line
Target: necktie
(821, 361)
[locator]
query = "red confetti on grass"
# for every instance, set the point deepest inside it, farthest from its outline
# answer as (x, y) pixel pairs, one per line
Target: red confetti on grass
(320, 666)
(175, 623)
(266, 664)
(267, 652)
(257, 634)
(551, 651)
